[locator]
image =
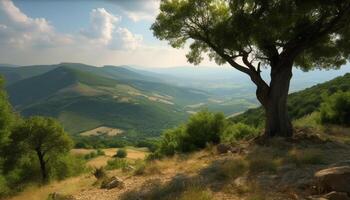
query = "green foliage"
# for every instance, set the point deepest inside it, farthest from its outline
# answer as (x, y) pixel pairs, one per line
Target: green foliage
(99, 173)
(202, 128)
(140, 167)
(6, 115)
(121, 153)
(225, 29)
(66, 166)
(336, 109)
(94, 154)
(117, 163)
(41, 149)
(238, 131)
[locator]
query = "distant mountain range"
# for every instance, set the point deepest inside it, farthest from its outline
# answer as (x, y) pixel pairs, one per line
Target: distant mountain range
(145, 100)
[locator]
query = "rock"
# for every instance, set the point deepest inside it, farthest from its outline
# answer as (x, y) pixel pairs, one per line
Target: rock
(113, 182)
(223, 148)
(58, 196)
(337, 196)
(241, 181)
(333, 179)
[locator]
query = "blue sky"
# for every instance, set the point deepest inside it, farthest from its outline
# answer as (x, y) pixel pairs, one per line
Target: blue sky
(97, 32)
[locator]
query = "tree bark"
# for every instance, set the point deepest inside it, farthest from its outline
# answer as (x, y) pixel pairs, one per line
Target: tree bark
(278, 122)
(274, 101)
(42, 165)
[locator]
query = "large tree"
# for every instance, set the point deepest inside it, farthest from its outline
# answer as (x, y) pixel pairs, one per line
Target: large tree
(250, 34)
(39, 136)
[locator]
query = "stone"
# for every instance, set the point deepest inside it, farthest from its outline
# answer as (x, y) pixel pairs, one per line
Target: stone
(333, 179)
(58, 196)
(337, 196)
(223, 148)
(241, 181)
(113, 182)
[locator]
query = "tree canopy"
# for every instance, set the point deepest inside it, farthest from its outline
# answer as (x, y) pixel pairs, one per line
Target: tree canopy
(40, 136)
(248, 34)
(316, 32)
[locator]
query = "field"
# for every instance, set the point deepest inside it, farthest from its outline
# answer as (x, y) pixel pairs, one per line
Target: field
(103, 131)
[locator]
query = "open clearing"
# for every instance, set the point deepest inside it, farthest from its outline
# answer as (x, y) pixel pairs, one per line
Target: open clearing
(103, 130)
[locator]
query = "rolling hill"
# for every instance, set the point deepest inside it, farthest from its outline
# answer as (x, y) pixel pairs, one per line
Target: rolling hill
(85, 97)
(300, 103)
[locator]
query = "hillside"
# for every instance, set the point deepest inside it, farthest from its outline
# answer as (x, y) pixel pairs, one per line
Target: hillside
(300, 103)
(13, 74)
(85, 97)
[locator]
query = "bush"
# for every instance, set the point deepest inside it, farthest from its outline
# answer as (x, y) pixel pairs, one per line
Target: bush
(99, 173)
(117, 163)
(140, 167)
(121, 153)
(66, 166)
(238, 131)
(201, 129)
(336, 109)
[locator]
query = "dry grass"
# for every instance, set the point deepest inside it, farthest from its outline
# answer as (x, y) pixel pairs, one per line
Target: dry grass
(68, 186)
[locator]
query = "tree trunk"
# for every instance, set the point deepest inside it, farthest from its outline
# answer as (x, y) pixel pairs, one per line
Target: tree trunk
(42, 166)
(278, 122)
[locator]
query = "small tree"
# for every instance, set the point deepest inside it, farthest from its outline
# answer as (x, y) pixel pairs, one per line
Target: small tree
(248, 34)
(42, 136)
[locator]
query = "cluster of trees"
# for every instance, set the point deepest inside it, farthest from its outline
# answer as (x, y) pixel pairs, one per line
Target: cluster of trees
(34, 149)
(202, 128)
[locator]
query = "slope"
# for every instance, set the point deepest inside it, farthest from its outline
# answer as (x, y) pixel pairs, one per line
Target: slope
(85, 97)
(300, 103)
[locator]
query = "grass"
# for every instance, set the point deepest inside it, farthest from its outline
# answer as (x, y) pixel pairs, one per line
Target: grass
(117, 163)
(306, 157)
(75, 184)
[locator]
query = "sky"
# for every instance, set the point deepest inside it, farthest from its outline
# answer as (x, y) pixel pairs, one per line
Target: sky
(96, 32)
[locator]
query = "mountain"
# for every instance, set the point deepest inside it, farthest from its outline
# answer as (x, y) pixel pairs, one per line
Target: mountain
(13, 74)
(300, 103)
(84, 97)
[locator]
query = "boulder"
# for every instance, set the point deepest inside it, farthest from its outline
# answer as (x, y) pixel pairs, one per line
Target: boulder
(113, 182)
(58, 196)
(223, 148)
(333, 179)
(337, 196)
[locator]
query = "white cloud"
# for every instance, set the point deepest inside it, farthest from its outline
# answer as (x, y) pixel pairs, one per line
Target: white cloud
(139, 9)
(102, 26)
(25, 40)
(19, 30)
(104, 31)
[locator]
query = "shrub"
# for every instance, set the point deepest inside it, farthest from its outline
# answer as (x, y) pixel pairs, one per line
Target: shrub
(121, 153)
(336, 109)
(117, 163)
(201, 129)
(238, 131)
(66, 166)
(99, 173)
(140, 167)
(100, 152)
